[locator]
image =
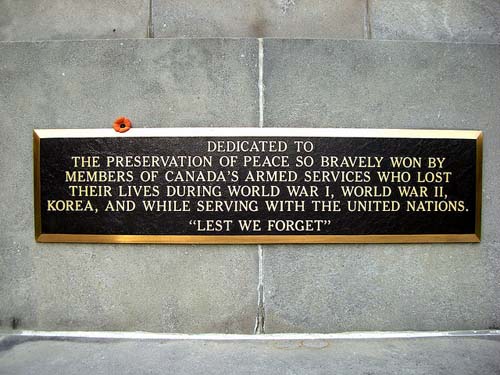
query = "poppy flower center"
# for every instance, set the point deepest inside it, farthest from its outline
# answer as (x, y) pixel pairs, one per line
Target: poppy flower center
(122, 126)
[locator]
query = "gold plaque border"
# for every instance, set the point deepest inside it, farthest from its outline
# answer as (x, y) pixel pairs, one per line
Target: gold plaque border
(39, 134)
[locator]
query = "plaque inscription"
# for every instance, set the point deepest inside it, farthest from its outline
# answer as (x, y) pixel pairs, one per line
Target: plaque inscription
(236, 185)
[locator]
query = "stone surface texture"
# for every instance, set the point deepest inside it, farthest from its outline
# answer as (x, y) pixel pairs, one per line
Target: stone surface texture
(328, 83)
(338, 288)
(73, 19)
(333, 288)
(260, 18)
(476, 21)
(157, 83)
(437, 356)
(444, 20)
(214, 82)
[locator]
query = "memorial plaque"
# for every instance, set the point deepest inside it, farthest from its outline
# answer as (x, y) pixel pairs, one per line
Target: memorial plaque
(248, 185)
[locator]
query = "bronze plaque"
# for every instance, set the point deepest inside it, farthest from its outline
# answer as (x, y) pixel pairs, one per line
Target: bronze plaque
(253, 185)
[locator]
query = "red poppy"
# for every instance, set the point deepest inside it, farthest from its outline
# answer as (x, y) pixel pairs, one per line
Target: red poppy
(122, 124)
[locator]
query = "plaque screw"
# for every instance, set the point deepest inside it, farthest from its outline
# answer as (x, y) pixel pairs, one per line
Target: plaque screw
(122, 124)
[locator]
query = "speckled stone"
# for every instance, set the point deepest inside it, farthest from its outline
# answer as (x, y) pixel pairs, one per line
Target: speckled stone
(156, 83)
(381, 84)
(338, 288)
(260, 18)
(213, 82)
(73, 19)
(469, 21)
(374, 84)
(416, 356)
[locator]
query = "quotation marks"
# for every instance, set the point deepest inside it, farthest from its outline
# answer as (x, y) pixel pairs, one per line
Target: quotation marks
(257, 226)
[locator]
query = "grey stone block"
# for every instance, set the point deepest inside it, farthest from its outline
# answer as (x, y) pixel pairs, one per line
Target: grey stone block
(157, 83)
(188, 289)
(73, 19)
(328, 83)
(372, 84)
(422, 356)
(445, 20)
(337, 288)
(17, 296)
(261, 18)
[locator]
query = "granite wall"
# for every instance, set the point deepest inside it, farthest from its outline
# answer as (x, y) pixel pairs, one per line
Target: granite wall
(357, 63)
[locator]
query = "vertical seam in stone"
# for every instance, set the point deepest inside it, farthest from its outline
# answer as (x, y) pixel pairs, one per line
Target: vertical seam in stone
(150, 20)
(260, 319)
(261, 82)
(368, 23)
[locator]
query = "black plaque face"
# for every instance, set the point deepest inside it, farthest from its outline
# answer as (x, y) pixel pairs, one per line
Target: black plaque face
(257, 185)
